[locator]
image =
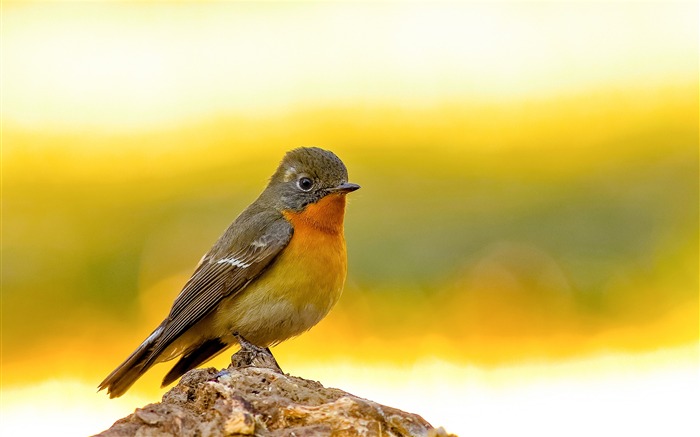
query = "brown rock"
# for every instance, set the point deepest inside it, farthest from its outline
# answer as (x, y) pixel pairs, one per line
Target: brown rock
(255, 401)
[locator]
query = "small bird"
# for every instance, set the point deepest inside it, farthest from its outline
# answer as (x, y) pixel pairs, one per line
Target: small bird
(275, 272)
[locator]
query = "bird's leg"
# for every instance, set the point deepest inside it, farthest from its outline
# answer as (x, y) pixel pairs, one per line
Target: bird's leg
(251, 355)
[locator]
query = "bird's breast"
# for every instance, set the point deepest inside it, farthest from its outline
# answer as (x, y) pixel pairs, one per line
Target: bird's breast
(326, 216)
(302, 284)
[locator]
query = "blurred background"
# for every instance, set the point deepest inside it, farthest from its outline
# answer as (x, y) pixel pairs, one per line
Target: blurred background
(523, 253)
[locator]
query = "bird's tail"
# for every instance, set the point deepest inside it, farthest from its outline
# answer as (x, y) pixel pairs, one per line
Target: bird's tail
(126, 374)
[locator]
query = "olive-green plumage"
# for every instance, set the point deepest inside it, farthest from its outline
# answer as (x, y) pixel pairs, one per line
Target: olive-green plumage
(273, 274)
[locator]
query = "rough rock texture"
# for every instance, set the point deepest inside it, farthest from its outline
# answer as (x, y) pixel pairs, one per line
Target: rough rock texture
(255, 401)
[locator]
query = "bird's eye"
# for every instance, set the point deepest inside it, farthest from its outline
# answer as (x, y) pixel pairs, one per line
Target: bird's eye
(305, 184)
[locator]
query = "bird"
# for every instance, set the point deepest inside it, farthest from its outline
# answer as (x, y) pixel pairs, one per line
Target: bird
(274, 273)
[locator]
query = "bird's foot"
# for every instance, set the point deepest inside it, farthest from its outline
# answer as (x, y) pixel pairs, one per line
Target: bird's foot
(251, 355)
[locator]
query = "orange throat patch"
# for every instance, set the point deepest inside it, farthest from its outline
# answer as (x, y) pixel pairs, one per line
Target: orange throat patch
(326, 215)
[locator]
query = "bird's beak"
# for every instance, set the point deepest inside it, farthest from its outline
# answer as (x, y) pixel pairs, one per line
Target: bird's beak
(345, 187)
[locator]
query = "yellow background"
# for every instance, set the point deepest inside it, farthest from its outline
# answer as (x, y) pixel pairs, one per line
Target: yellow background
(523, 251)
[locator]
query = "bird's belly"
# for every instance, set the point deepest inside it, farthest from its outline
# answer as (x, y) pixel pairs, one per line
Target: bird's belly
(292, 295)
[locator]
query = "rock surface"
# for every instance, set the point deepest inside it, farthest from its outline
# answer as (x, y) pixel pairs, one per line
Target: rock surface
(259, 401)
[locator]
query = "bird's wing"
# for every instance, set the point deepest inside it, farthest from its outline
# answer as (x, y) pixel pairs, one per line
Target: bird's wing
(221, 274)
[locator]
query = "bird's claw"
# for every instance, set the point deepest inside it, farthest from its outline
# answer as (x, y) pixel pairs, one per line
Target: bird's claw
(251, 355)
